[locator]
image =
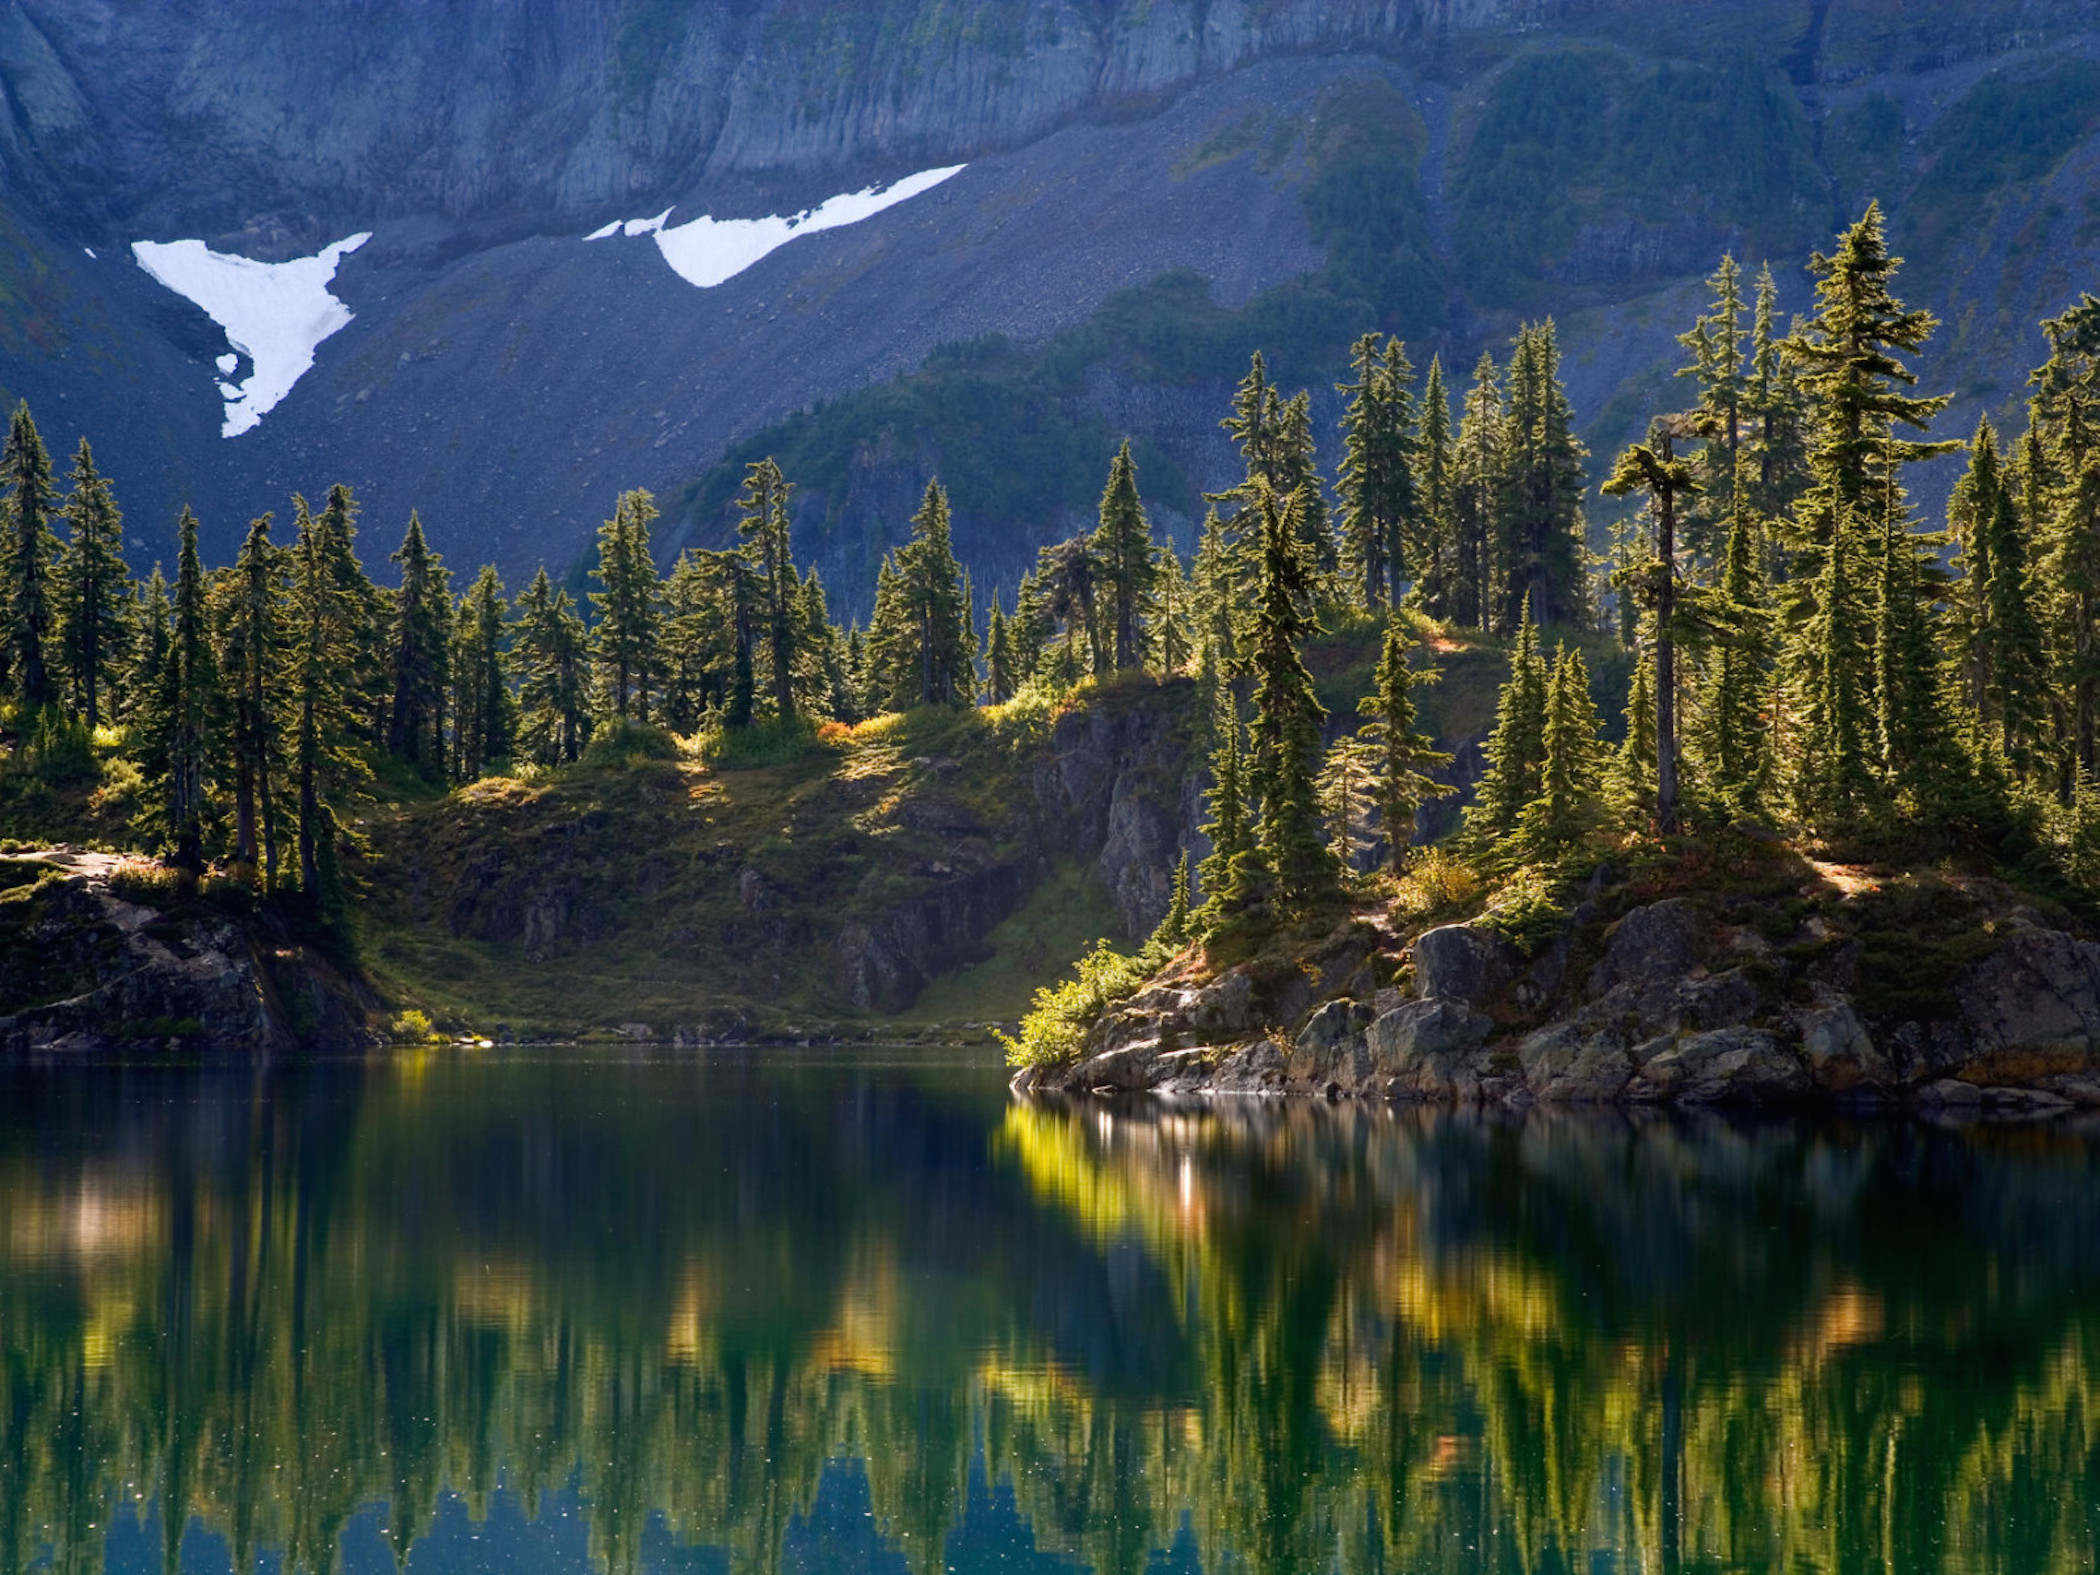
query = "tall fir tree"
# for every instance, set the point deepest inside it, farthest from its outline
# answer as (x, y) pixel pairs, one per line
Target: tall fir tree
(252, 663)
(419, 651)
(2073, 568)
(940, 653)
(999, 685)
(1516, 750)
(27, 598)
(1477, 464)
(1567, 806)
(764, 528)
(1288, 717)
(330, 618)
(628, 605)
(550, 652)
(1126, 569)
(1230, 828)
(1435, 558)
(1835, 783)
(1630, 784)
(1217, 592)
(1345, 791)
(1772, 398)
(1379, 515)
(1539, 528)
(1666, 480)
(181, 734)
(1720, 369)
(94, 589)
(1732, 741)
(484, 713)
(1401, 757)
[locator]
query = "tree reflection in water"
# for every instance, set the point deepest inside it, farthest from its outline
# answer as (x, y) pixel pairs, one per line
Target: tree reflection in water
(720, 1312)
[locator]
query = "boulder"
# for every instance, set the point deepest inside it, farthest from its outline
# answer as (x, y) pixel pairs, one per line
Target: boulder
(1841, 1055)
(1431, 1050)
(1650, 946)
(1330, 1026)
(1566, 1065)
(1722, 1066)
(1223, 1007)
(2040, 991)
(1125, 1070)
(1460, 962)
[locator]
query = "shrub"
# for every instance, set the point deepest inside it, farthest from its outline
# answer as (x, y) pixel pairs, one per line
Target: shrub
(1055, 1029)
(767, 742)
(623, 743)
(412, 1027)
(151, 884)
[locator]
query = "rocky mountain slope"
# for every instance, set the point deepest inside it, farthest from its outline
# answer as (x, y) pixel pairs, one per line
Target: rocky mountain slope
(1308, 168)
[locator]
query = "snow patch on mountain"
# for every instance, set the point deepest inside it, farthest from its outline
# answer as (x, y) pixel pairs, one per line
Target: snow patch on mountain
(275, 314)
(708, 251)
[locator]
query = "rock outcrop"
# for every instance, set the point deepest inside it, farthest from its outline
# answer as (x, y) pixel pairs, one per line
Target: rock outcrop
(1680, 1003)
(84, 970)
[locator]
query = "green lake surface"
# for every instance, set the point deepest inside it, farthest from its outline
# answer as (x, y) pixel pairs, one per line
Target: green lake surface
(711, 1311)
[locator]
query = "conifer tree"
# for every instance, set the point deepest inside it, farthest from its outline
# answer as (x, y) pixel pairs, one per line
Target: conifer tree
(1178, 924)
(550, 651)
(1630, 786)
(1298, 478)
(31, 553)
(1030, 629)
(1477, 465)
(1539, 521)
(1435, 557)
(1916, 748)
(2007, 652)
(999, 682)
(331, 682)
(1344, 790)
(93, 588)
(820, 656)
(148, 640)
(1732, 742)
(2073, 567)
(1172, 640)
(740, 597)
(1067, 574)
(1230, 826)
(765, 530)
(181, 727)
(1288, 716)
(1516, 750)
(1772, 395)
(419, 650)
(252, 664)
(358, 620)
(1254, 423)
(1125, 569)
(934, 608)
(1716, 343)
(484, 714)
(1379, 517)
(1665, 479)
(624, 641)
(1401, 757)
(1567, 804)
(1216, 592)
(1835, 783)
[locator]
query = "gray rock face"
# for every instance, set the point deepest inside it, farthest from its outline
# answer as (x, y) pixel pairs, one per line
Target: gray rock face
(1432, 1050)
(1841, 1055)
(2038, 992)
(1461, 962)
(1649, 946)
(1725, 1066)
(1564, 1065)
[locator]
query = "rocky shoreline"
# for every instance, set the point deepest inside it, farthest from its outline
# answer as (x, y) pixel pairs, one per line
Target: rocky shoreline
(1666, 1003)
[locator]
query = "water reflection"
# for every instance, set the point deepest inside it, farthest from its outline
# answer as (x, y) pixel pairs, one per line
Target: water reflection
(744, 1313)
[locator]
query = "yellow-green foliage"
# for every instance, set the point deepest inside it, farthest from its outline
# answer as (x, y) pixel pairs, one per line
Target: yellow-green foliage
(1055, 1028)
(150, 884)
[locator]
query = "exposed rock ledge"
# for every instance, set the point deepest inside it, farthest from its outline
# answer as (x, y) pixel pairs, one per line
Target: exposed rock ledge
(83, 970)
(1673, 1008)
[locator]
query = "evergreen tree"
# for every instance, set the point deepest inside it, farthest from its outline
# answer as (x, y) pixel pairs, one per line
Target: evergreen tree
(1298, 479)
(1772, 395)
(1732, 741)
(1172, 641)
(1665, 479)
(1126, 567)
(330, 619)
(1516, 750)
(1344, 790)
(624, 641)
(1230, 828)
(821, 688)
(419, 650)
(1176, 928)
(1068, 574)
(999, 685)
(2010, 650)
(1631, 784)
(31, 553)
(148, 632)
(935, 610)
(1835, 782)
(765, 530)
(1030, 629)
(2073, 567)
(1719, 367)
(253, 663)
(1255, 422)
(1538, 538)
(551, 654)
(181, 729)
(1216, 592)
(1401, 757)
(1477, 466)
(1567, 804)
(1438, 563)
(358, 619)
(93, 588)
(1288, 717)
(484, 714)
(1379, 517)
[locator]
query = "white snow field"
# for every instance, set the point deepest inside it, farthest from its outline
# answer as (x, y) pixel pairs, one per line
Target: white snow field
(707, 251)
(275, 314)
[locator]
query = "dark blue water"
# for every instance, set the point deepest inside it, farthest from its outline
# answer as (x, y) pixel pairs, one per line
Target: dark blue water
(816, 1312)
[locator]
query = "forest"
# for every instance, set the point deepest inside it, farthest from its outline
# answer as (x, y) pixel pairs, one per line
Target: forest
(1807, 654)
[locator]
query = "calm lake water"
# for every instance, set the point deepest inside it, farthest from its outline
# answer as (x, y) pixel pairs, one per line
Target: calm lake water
(804, 1311)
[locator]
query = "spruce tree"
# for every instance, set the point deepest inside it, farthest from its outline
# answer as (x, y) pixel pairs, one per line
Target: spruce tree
(2073, 567)
(1230, 826)
(1630, 786)
(1538, 527)
(148, 641)
(624, 641)
(1126, 569)
(551, 654)
(1665, 479)
(1173, 641)
(419, 650)
(94, 588)
(1836, 788)
(1566, 808)
(1772, 397)
(1030, 628)
(252, 662)
(1718, 366)
(1176, 928)
(1477, 465)
(1288, 717)
(1732, 742)
(1379, 516)
(1435, 557)
(182, 727)
(1402, 757)
(765, 531)
(359, 618)
(484, 713)
(2015, 693)
(1516, 750)
(934, 608)
(999, 685)
(1345, 791)
(31, 553)
(1216, 592)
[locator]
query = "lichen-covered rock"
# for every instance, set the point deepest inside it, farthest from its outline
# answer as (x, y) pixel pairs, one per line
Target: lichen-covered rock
(2039, 991)
(1650, 946)
(1463, 962)
(1223, 1007)
(1723, 1066)
(1841, 1054)
(1431, 1050)
(1563, 1064)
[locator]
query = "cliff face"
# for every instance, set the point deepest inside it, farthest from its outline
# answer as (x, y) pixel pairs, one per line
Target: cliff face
(292, 119)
